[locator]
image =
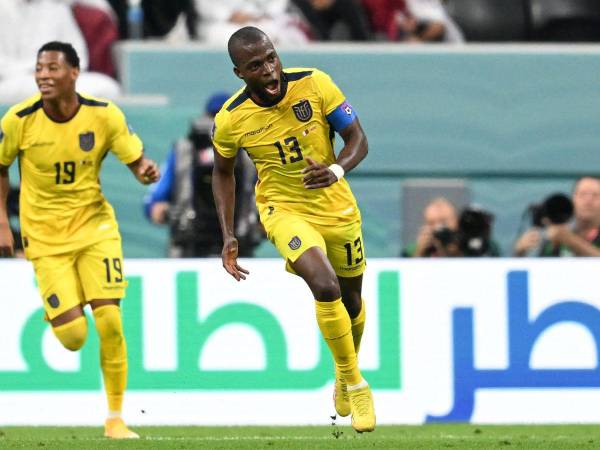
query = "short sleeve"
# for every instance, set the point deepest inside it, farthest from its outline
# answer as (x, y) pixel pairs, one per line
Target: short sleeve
(125, 144)
(222, 138)
(331, 94)
(9, 138)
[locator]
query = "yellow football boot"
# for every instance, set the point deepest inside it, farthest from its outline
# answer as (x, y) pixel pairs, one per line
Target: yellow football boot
(115, 428)
(361, 405)
(341, 400)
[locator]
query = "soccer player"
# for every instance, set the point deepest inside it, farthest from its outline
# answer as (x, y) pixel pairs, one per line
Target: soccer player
(286, 120)
(69, 230)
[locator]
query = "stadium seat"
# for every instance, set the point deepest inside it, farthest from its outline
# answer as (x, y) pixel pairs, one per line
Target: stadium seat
(565, 20)
(491, 20)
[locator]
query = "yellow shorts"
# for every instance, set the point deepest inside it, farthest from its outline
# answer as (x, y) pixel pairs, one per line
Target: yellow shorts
(293, 235)
(75, 278)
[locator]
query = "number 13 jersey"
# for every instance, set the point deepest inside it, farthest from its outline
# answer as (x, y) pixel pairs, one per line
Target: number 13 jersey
(279, 138)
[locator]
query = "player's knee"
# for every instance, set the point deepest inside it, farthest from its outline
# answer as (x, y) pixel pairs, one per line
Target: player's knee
(72, 335)
(326, 289)
(108, 322)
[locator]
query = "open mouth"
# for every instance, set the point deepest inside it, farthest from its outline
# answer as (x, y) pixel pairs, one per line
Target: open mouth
(272, 88)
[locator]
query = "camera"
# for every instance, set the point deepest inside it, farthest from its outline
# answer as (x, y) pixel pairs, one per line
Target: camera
(557, 208)
(474, 231)
(473, 236)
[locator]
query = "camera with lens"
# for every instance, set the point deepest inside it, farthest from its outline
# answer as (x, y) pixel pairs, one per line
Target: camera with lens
(473, 236)
(474, 232)
(557, 209)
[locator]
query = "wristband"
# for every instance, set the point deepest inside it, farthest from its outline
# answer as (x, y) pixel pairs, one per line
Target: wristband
(337, 170)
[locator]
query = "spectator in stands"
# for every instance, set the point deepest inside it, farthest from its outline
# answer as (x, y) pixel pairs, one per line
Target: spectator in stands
(445, 233)
(24, 27)
(439, 216)
(335, 19)
(98, 25)
(412, 21)
(183, 198)
(220, 19)
(172, 20)
(581, 237)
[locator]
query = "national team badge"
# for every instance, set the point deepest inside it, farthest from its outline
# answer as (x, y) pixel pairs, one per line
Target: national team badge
(295, 243)
(303, 111)
(53, 301)
(86, 141)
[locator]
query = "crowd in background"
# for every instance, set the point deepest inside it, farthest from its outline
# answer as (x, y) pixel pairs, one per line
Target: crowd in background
(94, 26)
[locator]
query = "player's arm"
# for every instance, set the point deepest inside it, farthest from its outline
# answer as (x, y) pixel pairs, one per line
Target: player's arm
(6, 237)
(355, 149)
(223, 186)
(144, 170)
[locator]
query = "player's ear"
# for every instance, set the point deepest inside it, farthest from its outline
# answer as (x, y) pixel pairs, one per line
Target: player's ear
(238, 73)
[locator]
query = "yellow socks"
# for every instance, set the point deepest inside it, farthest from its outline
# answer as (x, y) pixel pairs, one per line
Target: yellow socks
(72, 334)
(358, 326)
(335, 325)
(113, 354)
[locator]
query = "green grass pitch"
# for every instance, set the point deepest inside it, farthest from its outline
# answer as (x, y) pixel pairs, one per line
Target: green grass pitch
(546, 437)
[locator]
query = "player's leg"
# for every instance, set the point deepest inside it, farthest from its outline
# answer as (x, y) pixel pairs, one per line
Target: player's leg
(334, 321)
(304, 251)
(58, 284)
(103, 282)
(346, 253)
(351, 297)
(113, 361)
(336, 327)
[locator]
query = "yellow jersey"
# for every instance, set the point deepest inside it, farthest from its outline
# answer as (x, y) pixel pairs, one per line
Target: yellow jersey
(62, 208)
(279, 138)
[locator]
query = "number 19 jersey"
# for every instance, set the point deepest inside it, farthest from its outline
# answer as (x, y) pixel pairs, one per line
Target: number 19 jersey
(62, 208)
(279, 138)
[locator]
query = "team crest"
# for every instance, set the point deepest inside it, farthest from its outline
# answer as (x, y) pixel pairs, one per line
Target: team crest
(303, 111)
(295, 243)
(86, 141)
(53, 301)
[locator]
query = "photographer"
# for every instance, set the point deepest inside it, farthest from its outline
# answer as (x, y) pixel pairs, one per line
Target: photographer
(183, 197)
(555, 234)
(445, 234)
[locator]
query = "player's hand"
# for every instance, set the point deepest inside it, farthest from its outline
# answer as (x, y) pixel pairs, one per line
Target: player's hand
(147, 171)
(6, 241)
(317, 175)
(229, 257)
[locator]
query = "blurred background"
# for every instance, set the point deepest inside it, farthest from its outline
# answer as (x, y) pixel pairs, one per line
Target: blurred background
(491, 104)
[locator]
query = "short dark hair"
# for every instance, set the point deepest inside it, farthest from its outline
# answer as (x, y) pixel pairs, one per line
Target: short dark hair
(63, 47)
(243, 36)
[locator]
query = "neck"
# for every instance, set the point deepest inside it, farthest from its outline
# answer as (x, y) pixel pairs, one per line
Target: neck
(63, 108)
